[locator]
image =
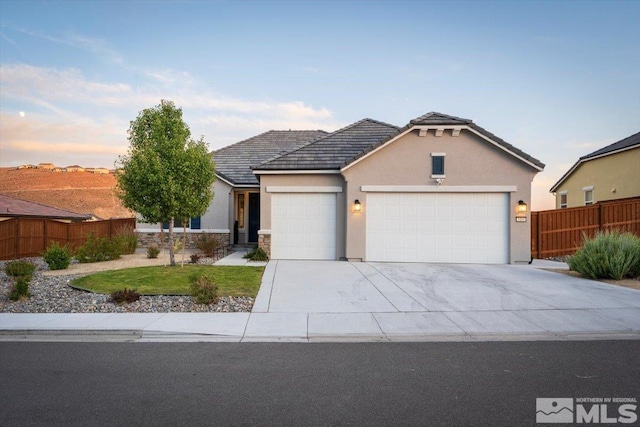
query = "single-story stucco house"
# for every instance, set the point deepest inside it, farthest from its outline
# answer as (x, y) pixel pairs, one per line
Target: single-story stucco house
(609, 173)
(440, 189)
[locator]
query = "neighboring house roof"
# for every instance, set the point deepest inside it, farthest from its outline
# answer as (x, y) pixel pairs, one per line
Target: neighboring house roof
(333, 150)
(234, 163)
(625, 144)
(345, 146)
(12, 207)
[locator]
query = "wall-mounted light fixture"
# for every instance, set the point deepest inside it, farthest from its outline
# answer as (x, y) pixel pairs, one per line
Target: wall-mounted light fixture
(357, 206)
(521, 211)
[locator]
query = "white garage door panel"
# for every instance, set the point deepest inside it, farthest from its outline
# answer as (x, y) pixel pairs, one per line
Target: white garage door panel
(438, 227)
(303, 226)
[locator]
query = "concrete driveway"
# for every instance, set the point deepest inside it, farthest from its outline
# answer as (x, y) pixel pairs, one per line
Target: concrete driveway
(393, 299)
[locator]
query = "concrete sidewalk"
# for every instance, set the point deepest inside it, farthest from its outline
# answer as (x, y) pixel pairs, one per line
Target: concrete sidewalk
(341, 301)
(316, 327)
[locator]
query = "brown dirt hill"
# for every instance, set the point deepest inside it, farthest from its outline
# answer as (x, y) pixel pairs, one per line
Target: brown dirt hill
(80, 192)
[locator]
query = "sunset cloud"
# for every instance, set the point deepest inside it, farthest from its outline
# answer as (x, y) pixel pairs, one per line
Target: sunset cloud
(74, 114)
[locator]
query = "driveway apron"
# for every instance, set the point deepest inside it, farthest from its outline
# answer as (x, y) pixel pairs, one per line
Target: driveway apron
(392, 299)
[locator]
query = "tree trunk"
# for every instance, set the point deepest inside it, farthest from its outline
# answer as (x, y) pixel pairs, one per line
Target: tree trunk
(184, 239)
(172, 256)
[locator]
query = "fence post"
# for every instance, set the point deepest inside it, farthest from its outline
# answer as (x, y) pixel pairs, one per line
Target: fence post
(17, 242)
(600, 217)
(539, 236)
(45, 238)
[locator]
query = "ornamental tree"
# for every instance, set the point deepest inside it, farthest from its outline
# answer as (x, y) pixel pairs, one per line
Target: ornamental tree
(165, 174)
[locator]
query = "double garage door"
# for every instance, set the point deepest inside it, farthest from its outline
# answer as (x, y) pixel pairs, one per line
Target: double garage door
(438, 227)
(303, 226)
(400, 227)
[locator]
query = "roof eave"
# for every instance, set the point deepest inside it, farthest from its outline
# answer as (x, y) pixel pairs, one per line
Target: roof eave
(297, 171)
(410, 128)
(582, 160)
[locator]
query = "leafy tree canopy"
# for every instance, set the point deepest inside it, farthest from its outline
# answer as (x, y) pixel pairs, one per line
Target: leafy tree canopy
(165, 174)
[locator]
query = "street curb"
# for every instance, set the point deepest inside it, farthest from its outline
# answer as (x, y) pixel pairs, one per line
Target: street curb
(132, 335)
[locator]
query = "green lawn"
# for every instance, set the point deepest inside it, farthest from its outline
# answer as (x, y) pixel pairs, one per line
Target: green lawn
(231, 280)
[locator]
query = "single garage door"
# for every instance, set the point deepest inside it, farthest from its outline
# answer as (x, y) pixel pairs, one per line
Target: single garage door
(303, 226)
(438, 227)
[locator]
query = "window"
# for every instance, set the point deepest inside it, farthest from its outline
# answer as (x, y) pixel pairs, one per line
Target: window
(588, 195)
(563, 200)
(240, 213)
(437, 165)
(194, 224)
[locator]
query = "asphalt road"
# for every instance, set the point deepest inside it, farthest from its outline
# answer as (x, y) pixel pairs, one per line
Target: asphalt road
(457, 384)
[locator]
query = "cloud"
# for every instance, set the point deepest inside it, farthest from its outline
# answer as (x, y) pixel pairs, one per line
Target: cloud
(41, 85)
(67, 112)
(583, 145)
(97, 47)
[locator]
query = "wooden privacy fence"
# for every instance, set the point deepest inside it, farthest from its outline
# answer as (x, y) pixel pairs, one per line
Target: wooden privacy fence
(24, 237)
(560, 232)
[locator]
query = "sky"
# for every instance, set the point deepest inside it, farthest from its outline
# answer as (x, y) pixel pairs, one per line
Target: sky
(556, 79)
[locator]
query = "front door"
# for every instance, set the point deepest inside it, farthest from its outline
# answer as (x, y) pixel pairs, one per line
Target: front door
(254, 217)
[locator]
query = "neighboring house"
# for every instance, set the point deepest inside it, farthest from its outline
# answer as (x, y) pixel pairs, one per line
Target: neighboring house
(10, 207)
(610, 173)
(440, 189)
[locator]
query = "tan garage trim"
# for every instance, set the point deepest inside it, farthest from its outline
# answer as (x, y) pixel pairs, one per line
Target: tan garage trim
(303, 189)
(439, 189)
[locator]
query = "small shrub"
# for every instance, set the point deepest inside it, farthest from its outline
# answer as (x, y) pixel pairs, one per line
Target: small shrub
(195, 258)
(256, 254)
(204, 289)
(97, 249)
(153, 251)
(608, 255)
(127, 239)
(125, 296)
(20, 289)
(57, 257)
(20, 268)
(207, 244)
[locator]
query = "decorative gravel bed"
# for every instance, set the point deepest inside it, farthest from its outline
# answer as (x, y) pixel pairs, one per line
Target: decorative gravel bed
(52, 294)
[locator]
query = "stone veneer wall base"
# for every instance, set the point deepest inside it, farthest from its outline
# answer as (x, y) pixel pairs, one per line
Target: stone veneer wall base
(146, 239)
(264, 242)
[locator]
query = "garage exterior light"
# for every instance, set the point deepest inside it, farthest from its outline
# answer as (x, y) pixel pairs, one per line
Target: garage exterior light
(357, 206)
(521, 211)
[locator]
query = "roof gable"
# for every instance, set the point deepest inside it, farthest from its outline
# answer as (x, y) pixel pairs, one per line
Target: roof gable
(234, 163)
(330, 152)
(436, 120)
(627, 143)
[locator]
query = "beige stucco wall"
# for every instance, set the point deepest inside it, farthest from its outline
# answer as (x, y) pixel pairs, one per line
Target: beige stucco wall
(469, 160)
(304, 180)
(217, 215)
(620, 171)
(215, 219)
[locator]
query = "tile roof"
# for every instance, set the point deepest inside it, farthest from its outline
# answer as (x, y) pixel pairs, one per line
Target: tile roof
(333, 150)
(12, 207)
(346, 145)
(234, 163)
(435, 118)
(622, 145)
